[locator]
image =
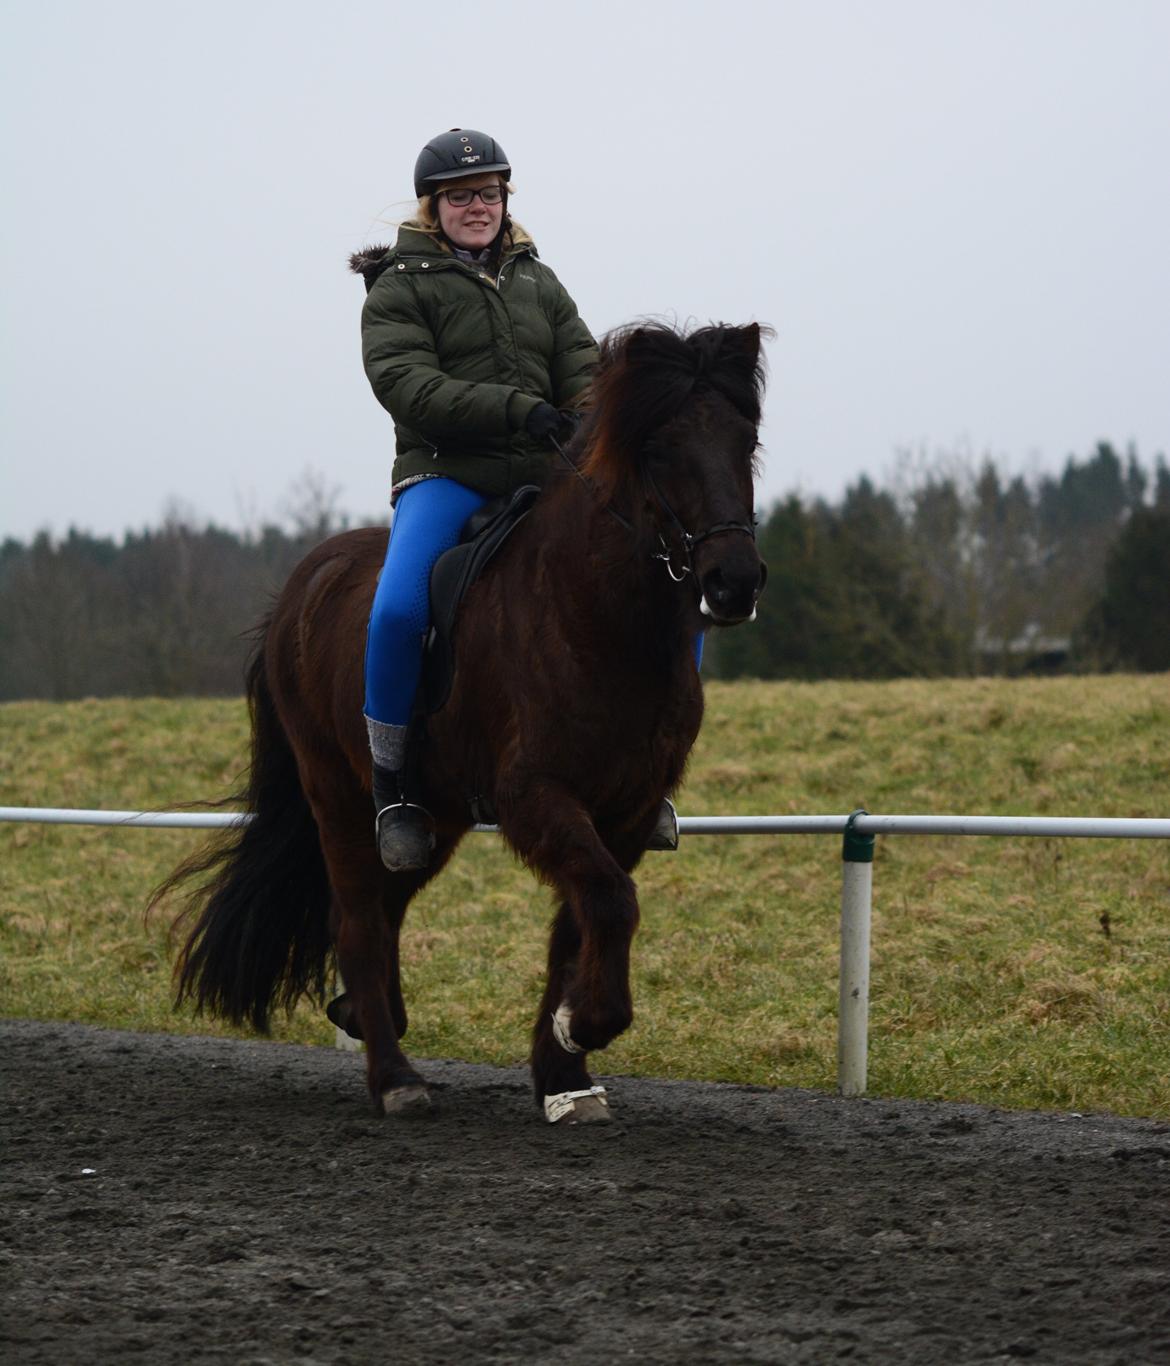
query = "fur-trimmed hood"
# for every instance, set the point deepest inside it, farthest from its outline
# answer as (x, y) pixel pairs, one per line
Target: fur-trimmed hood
(370, 262)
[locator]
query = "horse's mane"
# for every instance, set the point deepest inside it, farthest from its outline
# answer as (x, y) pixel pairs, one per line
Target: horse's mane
(646, 373)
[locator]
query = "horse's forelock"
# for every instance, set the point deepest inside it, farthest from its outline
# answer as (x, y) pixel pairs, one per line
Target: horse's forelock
(648, 371)
(732, 362)
(644, 376)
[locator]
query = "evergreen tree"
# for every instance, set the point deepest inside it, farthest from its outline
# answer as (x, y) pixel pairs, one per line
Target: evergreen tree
(1079, 516)
(1161, 483)
(790, 637)
(1129, 627)
(844, 598)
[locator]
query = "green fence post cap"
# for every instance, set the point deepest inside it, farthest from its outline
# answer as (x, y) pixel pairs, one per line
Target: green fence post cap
(856, 847)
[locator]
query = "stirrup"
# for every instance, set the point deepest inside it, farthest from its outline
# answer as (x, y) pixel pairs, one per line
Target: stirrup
(665, 832)
(406, 835)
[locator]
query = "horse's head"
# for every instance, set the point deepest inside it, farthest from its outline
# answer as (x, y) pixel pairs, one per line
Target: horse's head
(674, 439)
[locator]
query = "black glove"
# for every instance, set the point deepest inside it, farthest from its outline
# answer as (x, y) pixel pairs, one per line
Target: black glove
(544, 421)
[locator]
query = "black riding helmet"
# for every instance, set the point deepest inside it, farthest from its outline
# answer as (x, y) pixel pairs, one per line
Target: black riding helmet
(459, 152)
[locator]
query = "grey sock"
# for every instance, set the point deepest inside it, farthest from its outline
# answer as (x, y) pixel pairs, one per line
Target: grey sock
(387, 743)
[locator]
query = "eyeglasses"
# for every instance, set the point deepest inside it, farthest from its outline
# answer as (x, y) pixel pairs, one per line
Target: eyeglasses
(459, 199)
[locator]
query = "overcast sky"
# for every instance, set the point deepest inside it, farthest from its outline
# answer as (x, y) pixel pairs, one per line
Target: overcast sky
(955, 216)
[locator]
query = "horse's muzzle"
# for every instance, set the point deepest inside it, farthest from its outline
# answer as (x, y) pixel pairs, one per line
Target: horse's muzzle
(732, 584)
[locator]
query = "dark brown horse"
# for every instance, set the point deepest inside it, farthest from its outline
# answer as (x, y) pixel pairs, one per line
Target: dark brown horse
(575, 703)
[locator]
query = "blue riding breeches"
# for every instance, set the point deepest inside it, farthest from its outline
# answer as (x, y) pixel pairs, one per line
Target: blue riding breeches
(428, 517)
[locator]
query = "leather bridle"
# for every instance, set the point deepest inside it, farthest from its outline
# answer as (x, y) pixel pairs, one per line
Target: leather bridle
(688, 540)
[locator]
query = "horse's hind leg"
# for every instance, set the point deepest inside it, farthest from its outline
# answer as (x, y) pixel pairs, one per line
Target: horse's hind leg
(363, 947)
(341, 1010)
(366, 915)
(395, 899)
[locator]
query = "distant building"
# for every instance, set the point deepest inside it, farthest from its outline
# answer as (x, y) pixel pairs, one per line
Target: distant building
(1030, 652)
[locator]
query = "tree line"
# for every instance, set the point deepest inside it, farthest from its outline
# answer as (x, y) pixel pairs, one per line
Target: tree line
(951, 570)
(962, 571)
(168, 612)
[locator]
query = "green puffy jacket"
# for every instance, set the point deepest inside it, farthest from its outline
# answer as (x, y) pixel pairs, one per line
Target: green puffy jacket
(460, 359)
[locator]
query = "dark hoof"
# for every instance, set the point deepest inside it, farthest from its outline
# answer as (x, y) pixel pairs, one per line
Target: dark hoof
(408, 1102)
(341, 1014)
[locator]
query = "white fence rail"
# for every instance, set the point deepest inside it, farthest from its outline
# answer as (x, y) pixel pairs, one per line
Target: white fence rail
(858, 830)
(1072, 827)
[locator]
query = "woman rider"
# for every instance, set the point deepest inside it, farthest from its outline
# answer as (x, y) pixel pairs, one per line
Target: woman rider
(473, 345)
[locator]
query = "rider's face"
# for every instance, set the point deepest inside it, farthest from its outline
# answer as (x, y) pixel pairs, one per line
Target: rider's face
(474, 226)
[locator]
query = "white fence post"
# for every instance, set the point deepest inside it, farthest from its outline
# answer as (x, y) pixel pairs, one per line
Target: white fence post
(853, 992)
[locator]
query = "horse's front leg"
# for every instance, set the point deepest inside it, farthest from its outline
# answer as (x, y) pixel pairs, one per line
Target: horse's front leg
(556, 1071)
(587, 999)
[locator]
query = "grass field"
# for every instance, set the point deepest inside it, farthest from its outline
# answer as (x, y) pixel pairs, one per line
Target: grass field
(1014, 972)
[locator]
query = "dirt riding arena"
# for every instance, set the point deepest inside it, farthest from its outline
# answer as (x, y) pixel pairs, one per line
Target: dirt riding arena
(171, 1199)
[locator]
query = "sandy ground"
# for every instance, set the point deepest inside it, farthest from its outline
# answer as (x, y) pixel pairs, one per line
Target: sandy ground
(170, 1199)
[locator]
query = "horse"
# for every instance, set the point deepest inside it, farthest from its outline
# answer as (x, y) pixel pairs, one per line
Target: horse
(574, 705)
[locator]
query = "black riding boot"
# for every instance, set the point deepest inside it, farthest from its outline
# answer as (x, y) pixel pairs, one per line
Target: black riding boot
(406, 832)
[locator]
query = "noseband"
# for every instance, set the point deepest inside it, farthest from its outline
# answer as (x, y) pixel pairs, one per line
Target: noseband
(688, 540)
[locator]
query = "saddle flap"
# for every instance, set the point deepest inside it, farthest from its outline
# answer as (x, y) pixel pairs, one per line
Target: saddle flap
(454, 573)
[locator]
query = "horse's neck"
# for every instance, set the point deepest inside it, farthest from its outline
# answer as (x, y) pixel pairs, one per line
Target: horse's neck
(612, 577)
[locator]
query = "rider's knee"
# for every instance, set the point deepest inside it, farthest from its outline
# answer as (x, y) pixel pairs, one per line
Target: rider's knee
(402, 610)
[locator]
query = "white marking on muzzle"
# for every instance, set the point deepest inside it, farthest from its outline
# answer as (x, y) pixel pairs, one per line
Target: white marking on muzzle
(705, 609)
(560, 1019)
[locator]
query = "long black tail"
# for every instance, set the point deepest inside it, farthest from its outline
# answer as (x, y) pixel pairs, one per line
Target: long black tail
(261, 938)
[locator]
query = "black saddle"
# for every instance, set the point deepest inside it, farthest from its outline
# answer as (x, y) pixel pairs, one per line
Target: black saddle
(454, 573)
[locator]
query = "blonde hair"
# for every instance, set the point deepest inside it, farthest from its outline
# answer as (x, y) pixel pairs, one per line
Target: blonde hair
(426, 218)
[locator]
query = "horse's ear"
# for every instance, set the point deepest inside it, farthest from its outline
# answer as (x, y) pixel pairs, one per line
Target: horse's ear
(622, 345)
(637, 344)
(743, 366)
(747, 342)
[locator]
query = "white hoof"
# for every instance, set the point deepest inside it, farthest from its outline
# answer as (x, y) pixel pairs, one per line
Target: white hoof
(406, 1102)
(578, 1107)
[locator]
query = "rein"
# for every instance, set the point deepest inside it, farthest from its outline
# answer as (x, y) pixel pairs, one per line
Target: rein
(689, 541)
(629, 526)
